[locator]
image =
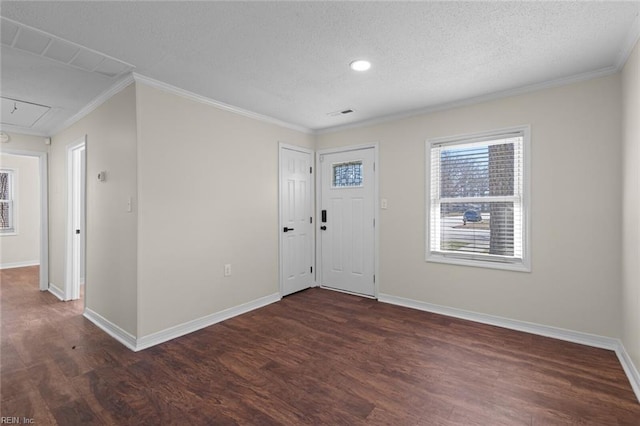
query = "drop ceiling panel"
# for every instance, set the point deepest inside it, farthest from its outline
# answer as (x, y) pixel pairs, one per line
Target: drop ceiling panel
(289, 60)
(22, 114)
(31, 41)
(61, 51)
(8, 32)
(111, 68)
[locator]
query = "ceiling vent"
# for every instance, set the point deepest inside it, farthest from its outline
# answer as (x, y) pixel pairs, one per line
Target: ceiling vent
(20, 113)
(339, 113)
(19, 36)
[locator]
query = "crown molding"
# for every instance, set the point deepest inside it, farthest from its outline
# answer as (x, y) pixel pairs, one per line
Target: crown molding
(630, 42)
(216, 104)
(9, 128)
(564, 81)
(116, 88)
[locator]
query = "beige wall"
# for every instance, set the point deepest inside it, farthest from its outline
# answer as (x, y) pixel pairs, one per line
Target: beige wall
(208, 185)
(575, 213)
(23, 247)
(20, 142)
(111, 231)
(631, 206)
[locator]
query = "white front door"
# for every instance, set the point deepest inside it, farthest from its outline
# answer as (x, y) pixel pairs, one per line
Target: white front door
(346, 222)
(296, 227)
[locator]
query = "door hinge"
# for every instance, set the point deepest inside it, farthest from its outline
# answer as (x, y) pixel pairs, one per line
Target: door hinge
(310, 169)
(374, 278)
(374, 167)
(311, 268)
(374, 222)
(311, 220)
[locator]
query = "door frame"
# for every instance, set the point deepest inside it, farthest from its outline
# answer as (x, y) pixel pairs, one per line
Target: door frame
(281, 147)
(376, 211)
(44, 210)
(72, 286)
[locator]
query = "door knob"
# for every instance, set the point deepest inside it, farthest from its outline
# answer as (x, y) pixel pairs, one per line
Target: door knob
(287, 229)
(324, 228)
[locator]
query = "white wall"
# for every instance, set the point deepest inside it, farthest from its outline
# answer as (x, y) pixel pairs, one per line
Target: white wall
(208, 185)
(23, 247)
(631, 206)
(575, 215)
(111, 231)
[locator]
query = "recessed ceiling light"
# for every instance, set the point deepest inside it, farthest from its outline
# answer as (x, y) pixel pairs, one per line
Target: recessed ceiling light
(360, 65)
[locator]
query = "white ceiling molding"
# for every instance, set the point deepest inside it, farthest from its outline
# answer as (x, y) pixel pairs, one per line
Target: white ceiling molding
(279, 63)
(217, 104)
(476, 100)
(21, 130)
(16, 35)
(99, 100)
(632, 38)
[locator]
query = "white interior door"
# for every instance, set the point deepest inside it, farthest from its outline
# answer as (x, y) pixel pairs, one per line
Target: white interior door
(76, 177)
(347, 228)
(296, 228)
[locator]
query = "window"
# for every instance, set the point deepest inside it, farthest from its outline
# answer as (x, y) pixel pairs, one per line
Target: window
(478, 200)
(6, 202)
(347, 175)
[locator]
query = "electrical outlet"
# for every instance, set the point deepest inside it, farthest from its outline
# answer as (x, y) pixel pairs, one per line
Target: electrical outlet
(227, 270)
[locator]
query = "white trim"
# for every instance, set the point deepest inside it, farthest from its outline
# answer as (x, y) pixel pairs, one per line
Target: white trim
(170, 333)
(579, 337)
(629, 369)
(111, 329)
(56, 291)
(282, 146)
(116, 88)
(72, 291)
(19, 264)
(376, 209)
(43, 157)
(13, 201)
(564, 81)
(523, 265)
(633, 36)
(217, 104)
(10, 128)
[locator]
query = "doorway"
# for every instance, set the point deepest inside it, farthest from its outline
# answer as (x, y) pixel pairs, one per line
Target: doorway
(347, 219)
(296, 219)
(76, 217)
(44, 211)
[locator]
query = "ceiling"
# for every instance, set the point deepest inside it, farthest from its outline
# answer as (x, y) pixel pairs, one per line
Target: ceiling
(289, 61)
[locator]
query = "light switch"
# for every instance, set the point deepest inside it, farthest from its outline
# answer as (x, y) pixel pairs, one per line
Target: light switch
(383, 203)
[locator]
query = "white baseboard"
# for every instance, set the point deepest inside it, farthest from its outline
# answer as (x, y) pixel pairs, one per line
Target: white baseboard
(170, 333)
(538, 329)
(19, 264)
(56, 291)
(111, 329)
(630, 369)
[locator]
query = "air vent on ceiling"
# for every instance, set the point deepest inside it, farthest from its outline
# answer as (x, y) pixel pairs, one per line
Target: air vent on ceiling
(18, 36)
(21, 113)
(339, 113)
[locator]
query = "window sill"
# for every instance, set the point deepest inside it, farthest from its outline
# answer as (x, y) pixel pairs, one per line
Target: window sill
(519, 266)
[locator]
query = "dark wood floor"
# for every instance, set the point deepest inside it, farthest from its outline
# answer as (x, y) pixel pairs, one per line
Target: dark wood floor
(316, 357)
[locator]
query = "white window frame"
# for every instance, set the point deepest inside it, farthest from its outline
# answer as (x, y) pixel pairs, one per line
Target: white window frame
(13, 228)
(520, 263)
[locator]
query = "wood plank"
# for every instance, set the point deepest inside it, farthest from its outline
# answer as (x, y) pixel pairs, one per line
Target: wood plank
(316, 357)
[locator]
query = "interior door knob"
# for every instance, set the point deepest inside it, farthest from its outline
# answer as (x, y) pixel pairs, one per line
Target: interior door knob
(324, 228)
(287, 229)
